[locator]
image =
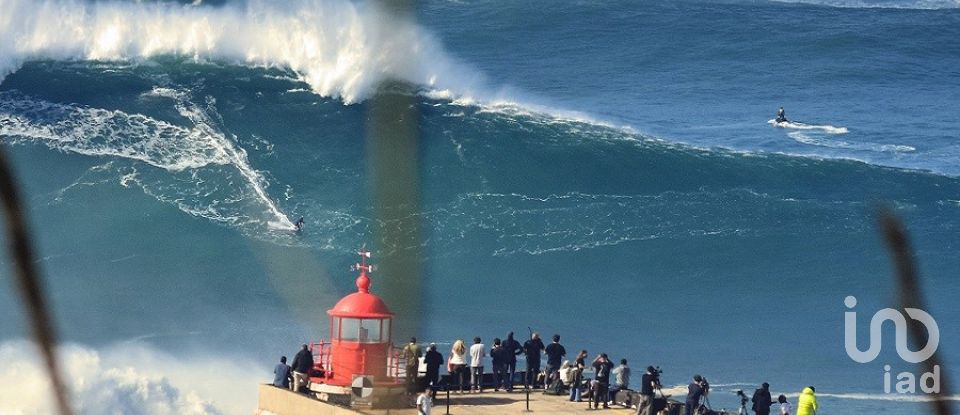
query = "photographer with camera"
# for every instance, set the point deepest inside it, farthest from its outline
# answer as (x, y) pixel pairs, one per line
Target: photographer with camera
(649, 384)
(695, 391)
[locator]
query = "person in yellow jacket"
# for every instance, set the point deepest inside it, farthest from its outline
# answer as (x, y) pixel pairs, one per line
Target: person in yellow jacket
(807, 403)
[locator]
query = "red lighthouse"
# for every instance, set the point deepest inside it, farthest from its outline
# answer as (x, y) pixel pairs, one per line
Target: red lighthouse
(360, 329)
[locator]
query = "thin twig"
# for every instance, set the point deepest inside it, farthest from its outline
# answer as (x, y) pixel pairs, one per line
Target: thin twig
(28, 280)
(909, 296)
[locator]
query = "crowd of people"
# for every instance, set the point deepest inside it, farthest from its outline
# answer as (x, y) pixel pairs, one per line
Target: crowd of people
(466, 368)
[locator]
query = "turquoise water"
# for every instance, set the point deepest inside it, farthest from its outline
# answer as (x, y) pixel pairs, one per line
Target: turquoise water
(600, 170)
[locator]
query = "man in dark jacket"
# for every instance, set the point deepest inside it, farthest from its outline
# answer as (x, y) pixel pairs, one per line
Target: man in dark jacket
(602, 367)
(499, 358)
(302, 364)
(532, 349)
(511, 349)
(762, 400)
(555, 353)
(433, 359)
(649, 384)
(694, 393)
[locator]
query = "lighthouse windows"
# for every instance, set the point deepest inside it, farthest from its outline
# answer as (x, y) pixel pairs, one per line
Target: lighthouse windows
(361, 330)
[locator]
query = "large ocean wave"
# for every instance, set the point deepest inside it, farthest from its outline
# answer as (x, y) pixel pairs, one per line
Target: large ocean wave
(131, 378)
(341, 49)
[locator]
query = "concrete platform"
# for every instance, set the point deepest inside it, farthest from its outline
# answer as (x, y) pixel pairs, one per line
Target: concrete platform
(278, 401)
(515, 403)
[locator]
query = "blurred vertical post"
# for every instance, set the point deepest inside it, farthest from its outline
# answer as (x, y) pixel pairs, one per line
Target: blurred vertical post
(393, 172)
(909, 296)
(28, 280)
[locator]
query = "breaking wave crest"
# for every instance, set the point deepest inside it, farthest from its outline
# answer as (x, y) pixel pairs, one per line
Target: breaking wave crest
(129, 378)
(341, 49)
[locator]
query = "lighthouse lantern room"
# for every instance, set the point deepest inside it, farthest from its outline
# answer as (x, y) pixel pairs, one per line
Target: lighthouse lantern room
(360, 329)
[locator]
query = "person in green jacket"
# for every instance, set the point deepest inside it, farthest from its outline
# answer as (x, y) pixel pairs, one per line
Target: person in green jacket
(807, 404)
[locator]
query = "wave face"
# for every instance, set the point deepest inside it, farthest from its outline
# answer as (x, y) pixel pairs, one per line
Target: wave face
(643, 207)
(341, 49)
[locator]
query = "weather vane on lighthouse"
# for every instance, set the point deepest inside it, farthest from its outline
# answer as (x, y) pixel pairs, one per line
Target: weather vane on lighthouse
(363, 282)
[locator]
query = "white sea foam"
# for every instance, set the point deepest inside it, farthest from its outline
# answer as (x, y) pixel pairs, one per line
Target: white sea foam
(100, 132)
(175, 149)
(882, 4)
(795, 125)
(342, 49)
(804, 138)
(129, 378)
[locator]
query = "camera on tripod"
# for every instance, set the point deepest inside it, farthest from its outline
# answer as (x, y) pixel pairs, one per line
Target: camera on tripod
(656, 372)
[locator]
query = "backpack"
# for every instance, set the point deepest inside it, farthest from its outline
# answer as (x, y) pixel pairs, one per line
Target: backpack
(555, 388)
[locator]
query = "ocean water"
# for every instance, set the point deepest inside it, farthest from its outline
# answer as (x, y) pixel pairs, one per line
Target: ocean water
(601, 170)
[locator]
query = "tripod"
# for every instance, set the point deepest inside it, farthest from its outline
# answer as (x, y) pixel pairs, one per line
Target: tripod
(743, 406)
(704, 407)
(743, 402)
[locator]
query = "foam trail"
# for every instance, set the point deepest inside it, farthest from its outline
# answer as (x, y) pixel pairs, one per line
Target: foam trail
(237, 156)
(341, 49)
(800, 137)
(190, 152)
(796, 125)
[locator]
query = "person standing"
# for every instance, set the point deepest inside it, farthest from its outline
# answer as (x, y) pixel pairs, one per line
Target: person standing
(577, 369)
(785, 408)
(649, 383)
(457, 364)
(425, 402)
(621, 381)
(532, 348)
(762, 400)
(498, 359)
(807, 403)
(694, 393)
(602, 367)
(511, 349)
(555, 354)
(302, 363)
(281, 374)
(412, 354)
(477, 353)
(433, 359)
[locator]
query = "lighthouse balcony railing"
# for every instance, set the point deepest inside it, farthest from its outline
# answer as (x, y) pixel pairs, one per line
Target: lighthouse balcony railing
(321, 359)
(396, 364)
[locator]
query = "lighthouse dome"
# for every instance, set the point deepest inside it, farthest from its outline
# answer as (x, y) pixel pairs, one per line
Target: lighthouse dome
(361, 304)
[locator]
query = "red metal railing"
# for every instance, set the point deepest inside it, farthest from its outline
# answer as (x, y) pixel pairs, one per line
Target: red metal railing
(396, 363)
(321, 358)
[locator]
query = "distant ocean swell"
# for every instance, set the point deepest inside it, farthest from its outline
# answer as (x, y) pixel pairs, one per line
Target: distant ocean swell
(882, 4)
